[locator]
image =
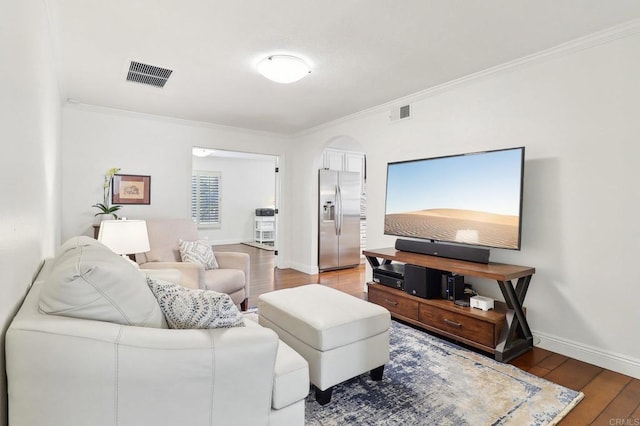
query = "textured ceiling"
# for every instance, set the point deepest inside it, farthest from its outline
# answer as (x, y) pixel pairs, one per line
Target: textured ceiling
(363, 52)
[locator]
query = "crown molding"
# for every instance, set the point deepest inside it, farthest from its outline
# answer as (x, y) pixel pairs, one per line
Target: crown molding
(592, 40)
(74, 104)
(599, 38)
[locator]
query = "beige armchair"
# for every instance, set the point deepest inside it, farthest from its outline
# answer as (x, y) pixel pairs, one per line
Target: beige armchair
(232, 276)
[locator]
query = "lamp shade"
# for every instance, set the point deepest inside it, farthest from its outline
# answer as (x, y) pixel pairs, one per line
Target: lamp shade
(124, 236)
(283, 68)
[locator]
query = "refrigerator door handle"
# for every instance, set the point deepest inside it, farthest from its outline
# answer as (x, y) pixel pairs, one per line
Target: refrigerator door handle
(336, 201)
(339, 215)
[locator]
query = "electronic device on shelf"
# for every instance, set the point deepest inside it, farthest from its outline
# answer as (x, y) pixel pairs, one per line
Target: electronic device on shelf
(473, 201)
(390, 274)
(481, 302)
(422, 282)
(265, 212)
(452, 287)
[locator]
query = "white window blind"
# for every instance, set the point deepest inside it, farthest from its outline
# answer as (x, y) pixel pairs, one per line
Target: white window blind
(205, 198)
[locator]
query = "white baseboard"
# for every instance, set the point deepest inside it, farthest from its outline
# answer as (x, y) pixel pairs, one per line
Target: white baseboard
(306, 269)
(622, 364)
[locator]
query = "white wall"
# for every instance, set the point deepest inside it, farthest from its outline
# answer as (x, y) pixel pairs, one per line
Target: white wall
(246, 184)
(29, 164)
(577, 114)
(97, 139)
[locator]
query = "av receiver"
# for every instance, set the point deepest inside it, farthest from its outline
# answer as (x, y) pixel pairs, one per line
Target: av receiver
(390, 274)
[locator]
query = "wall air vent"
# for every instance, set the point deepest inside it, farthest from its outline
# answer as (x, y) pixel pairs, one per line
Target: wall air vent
(401, 113)
(148, 74)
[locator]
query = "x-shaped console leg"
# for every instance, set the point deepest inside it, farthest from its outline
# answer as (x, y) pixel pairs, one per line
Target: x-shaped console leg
(516, 336)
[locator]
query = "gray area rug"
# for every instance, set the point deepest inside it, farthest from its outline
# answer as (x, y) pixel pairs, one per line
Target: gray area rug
(433, 382)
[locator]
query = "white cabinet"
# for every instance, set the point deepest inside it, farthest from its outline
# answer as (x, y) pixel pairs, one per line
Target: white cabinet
(345, 161)
(265, 229)
(333, 159)
(354, 162)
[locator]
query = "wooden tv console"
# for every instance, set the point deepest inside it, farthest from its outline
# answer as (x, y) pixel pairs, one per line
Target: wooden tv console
(503, 331)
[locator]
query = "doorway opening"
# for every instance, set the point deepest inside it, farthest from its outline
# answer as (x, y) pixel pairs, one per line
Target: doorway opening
(234, 197)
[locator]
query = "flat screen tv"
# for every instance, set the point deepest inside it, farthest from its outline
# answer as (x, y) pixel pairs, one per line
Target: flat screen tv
(470, 199)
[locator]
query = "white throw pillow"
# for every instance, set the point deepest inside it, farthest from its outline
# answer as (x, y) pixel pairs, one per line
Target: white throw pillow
(90, 281)
(198, 251)
(190, 308)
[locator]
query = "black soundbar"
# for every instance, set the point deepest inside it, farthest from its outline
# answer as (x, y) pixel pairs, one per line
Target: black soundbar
(471, 254)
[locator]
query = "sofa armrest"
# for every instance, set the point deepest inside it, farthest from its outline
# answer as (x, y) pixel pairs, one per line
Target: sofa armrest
(135, 375)
(214, 373)
(235, 260)
(172, 275)
(192, 273)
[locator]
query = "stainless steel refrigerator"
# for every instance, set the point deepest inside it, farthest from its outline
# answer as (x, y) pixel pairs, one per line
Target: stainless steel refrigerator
(339, 220)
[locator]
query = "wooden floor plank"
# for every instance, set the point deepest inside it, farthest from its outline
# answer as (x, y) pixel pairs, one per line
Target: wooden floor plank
(531, 359)
(552, 362)
(621, 408)
(599, 393)
(634, 418)
(573, 374)
(611, 399)
(537, 370)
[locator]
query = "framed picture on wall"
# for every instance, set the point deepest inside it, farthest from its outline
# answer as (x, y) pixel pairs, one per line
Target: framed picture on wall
(131, 189)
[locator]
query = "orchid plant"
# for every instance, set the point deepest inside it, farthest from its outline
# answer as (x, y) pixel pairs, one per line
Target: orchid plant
(105, 207)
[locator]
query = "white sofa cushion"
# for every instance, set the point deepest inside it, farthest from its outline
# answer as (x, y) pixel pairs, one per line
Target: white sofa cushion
(164, 239)
(74, 242)
(187, 308)
(90, 281)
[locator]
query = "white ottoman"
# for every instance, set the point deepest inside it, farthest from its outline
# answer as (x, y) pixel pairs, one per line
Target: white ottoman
(339, 335)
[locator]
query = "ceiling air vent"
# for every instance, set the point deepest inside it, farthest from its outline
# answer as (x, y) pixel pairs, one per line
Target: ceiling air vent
(401, 113)
(148, 74)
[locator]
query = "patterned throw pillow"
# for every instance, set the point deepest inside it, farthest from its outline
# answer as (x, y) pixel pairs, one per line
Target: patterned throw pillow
(186, 308)
(198, 251)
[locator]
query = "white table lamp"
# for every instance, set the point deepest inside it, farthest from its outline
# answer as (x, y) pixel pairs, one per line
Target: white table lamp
(124, 237)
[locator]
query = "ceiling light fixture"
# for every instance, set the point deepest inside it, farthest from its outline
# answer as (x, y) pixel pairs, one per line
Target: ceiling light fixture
(283, 68)
(201, 152)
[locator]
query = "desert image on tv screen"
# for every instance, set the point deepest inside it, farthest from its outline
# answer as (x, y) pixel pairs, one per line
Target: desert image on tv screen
(470, 199)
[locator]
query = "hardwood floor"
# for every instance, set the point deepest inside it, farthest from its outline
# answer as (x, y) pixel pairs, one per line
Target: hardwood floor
(611, 399)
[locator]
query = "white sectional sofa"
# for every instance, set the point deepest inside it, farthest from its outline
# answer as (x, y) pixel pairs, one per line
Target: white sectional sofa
(68, 370)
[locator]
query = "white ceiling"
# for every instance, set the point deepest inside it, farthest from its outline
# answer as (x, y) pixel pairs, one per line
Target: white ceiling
(363, 52)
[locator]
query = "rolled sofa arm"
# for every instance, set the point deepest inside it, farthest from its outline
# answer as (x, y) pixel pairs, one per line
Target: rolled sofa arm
(235, 260)
(192, 273)
(172, 275)
(99, 373)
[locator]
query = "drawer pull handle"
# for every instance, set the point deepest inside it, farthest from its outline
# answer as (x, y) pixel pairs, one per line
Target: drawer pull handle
(452, 323)
(391, 302)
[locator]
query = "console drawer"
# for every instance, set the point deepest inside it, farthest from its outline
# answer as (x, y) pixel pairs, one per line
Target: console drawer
(398, 304)
(471, 328)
